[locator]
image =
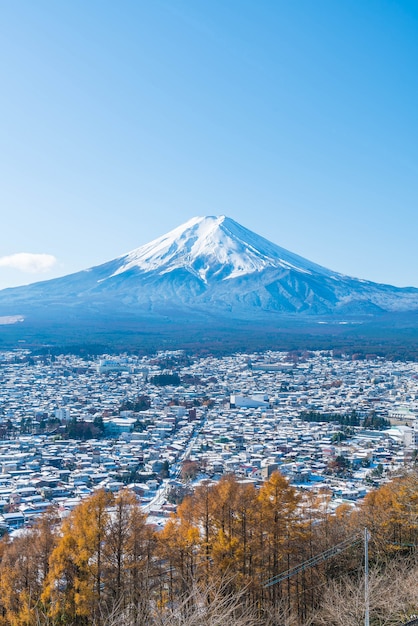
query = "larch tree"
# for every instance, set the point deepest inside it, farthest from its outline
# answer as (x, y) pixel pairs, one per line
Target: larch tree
(279, 527)
(76, 579)
(24, 569)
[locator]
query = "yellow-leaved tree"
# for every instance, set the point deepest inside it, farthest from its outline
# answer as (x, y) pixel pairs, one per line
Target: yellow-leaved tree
(77, 575)
(24, 569)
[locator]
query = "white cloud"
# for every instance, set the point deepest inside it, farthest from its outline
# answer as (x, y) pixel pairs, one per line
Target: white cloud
(27, 262)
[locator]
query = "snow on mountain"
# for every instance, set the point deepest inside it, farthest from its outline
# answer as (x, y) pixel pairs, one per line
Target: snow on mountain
(214, 247)
(211, 269)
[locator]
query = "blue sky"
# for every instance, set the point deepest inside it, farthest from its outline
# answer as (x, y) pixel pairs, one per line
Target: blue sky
(122, 120)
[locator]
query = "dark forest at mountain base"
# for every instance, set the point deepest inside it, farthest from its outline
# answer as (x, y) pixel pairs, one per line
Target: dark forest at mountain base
(394, 337)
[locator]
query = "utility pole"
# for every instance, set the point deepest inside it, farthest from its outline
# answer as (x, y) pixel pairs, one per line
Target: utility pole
(366, 576)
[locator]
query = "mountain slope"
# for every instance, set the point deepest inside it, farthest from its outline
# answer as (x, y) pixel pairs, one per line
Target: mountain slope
(211, 270)
(214, 247)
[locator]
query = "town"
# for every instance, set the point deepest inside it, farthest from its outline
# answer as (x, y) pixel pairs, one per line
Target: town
(159, 424)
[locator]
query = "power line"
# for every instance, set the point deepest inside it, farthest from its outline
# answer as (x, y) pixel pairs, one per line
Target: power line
(319, 558)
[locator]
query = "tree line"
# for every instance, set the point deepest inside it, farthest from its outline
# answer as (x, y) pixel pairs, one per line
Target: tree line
(104, 565)
(372, 420)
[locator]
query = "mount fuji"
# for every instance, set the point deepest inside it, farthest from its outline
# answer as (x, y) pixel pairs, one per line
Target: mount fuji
(212, 272)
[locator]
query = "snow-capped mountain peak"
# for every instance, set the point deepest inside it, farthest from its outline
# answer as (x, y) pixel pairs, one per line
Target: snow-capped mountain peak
(213, 247)
(211, 271)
